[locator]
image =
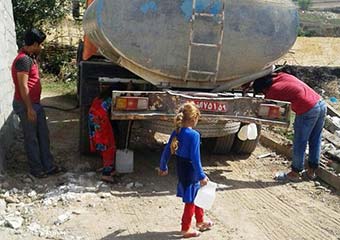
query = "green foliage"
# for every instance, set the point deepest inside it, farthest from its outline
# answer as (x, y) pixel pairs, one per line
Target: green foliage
(37, 13)
(55, 59)
(306, 33)
(51, 83)
(59, 61)
(304, 4)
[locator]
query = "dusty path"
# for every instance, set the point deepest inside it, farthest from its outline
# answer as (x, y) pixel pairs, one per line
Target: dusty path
(249, 204)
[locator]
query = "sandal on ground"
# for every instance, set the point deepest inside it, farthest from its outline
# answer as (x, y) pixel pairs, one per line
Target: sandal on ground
(286, 177)
(40, 175)
(108, 179)
(191, 234)
(56, 170)
(204, 226)
(108, 171)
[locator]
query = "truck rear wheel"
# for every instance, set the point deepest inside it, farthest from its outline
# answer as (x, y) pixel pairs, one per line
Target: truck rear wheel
(247, 146)
(224, 144)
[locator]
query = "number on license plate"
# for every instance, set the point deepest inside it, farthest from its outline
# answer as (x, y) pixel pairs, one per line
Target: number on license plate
(211, 106)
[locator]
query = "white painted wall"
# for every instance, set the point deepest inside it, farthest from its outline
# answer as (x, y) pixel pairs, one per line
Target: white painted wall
(8, 50)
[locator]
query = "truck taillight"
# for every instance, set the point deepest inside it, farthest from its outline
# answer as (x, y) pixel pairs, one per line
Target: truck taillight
(132, 103)
(270, 111)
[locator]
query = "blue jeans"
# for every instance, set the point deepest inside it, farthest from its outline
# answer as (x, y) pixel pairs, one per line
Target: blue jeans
(308, 129)
(36, 138)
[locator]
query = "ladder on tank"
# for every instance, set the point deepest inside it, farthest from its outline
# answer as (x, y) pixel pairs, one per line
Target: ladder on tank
(213, 74)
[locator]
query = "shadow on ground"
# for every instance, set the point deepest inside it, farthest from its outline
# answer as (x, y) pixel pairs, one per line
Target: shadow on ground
(142, 236)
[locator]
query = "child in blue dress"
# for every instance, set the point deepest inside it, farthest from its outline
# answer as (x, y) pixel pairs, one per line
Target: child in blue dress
(184, 143)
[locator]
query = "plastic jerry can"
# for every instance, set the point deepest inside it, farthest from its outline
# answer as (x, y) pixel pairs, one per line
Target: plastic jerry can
(206, 196)
(248, 132)
(124, 161)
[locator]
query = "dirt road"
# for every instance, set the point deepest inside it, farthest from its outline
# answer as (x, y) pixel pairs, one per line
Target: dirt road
(143, 206)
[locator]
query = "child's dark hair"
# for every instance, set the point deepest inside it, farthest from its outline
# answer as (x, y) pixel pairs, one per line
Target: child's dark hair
(106, 92)
(186, 113)
(34, 36)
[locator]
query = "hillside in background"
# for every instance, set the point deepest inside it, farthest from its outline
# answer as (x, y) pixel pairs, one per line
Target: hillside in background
(329, 5)
(319, 24)
(321, 19)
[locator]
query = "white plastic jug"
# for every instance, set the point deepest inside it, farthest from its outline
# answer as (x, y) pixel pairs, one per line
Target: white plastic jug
(252, 131)
(124, 161)
(206, 195)
(248, 131)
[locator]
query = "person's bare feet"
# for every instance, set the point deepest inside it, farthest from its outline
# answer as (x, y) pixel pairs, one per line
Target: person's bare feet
(108, 179)
(190, 233)
(204, 226)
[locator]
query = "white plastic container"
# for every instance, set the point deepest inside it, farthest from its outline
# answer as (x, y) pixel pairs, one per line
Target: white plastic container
(124, 161)
(248, 131)
(206, 196)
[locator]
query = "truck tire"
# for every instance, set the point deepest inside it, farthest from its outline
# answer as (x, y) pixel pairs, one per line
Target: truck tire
(208, 144)
(219, 145)
(224, 144)
(207, 129)
(248, 146)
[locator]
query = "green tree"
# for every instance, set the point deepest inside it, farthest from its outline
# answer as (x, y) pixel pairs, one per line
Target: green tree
(37, 13)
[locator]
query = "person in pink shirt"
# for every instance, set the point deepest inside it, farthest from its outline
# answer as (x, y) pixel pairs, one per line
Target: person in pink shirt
(26, 105)
(310, 112)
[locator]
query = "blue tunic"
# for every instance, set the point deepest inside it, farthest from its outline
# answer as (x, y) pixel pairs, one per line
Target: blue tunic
(189, 167)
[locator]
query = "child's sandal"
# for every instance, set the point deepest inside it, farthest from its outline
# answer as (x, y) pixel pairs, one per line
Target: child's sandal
(204, 226)
(191, 234)
(108, 179)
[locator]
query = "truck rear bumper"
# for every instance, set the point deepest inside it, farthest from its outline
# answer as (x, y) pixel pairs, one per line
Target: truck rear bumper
(223, 107)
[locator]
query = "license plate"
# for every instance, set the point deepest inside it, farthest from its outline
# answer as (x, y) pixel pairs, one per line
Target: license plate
(211, 106)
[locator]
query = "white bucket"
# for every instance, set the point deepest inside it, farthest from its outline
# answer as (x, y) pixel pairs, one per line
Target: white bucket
(206, 196)
(124, 161)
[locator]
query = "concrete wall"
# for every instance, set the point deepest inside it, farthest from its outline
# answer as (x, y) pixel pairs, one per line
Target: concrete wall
(8, 51)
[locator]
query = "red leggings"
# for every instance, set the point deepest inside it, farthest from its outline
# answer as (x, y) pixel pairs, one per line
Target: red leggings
(108, 157)
(189, 210)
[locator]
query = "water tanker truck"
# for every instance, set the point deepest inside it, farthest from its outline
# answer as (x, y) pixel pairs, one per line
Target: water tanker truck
(158, 54)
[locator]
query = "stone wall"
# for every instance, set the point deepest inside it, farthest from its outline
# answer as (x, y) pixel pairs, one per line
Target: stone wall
(8, 49)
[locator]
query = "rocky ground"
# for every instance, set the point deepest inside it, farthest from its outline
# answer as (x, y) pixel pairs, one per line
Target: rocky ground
(141, 205)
